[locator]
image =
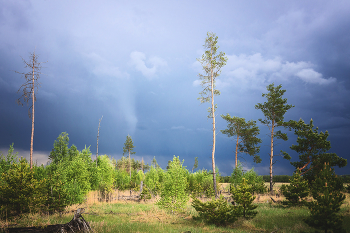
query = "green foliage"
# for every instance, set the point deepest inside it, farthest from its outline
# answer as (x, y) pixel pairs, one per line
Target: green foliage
(145, 194)
(154, 163)
(275, 107)
(106, 174)
(20, 192)
(242, 195)
(201, 183)
(256, 182)
(153, 180)
(328, 199)
(274, 110)
(296, 190)
(60, 148)
(312, 147)
(70, 174)
(195, 165)
(173, 193)
(212, 64)
(246, 135)
(217, 212)
(122, 180)
(8, 161)
(128, 145)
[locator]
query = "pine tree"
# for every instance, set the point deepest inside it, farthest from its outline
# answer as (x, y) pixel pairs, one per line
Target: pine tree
(212, 62)
(296, 190)
(242, 195)
(328, 200)
(274, 110)
(217, 212)
(246, 136)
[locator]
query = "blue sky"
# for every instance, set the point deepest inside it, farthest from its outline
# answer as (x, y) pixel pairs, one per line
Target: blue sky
(134, 62)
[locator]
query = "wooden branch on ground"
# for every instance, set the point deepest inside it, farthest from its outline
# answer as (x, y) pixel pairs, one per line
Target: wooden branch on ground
(77, 224)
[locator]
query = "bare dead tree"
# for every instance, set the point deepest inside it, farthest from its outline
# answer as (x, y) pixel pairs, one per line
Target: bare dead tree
(28, 87)
(98, 135)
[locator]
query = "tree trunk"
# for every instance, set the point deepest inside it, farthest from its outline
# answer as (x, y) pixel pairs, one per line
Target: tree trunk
(130, 171)
(214, 136)
(33, 99)
(271, 155)
(236, 156)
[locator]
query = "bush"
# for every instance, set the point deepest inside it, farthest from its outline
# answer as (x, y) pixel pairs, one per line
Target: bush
(20, 192)
(201, 183)
(256, 182)
(324, 211)
(296, 190)
(217, 212)
(173, 193)
(243, 197)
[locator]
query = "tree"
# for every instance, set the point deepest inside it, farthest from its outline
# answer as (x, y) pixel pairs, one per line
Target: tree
(195, 165)
(60, 149)
(246, 136)
(242, 195)
(312, 147)
(328, 198)
(212, 62)
(274, 110)
(98, 136)
(129, 147)
(154, 162)
(217, 211)
(28, 87)
(20, 191)
(296, 190)
(173, 192)
(256, 182)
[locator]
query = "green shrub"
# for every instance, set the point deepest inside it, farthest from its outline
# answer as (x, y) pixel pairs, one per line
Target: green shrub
(256, 182)
(325, 209)
(20, 192)
(217, 212)
(201, 183)
(242, 195)
(296, 190)
(173, 192)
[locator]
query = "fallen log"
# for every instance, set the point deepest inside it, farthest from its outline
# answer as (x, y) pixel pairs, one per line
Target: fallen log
(77, 224)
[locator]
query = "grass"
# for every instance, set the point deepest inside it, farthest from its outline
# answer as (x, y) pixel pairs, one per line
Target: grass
(128, 216)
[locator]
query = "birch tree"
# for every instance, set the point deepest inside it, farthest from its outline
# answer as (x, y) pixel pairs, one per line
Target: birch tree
(212, 61)
(29, 95)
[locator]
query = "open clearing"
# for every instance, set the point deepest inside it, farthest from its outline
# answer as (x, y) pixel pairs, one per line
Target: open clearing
(130, 216)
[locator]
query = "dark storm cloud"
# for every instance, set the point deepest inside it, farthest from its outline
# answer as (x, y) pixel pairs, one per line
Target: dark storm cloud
(135, 64)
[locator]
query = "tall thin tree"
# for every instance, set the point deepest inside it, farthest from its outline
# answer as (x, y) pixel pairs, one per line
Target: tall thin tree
(29, 95)
(98, 136)
(129, 147)
(274, 110)
(212, 62)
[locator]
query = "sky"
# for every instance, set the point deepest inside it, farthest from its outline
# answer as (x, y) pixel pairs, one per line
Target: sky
(135, 64)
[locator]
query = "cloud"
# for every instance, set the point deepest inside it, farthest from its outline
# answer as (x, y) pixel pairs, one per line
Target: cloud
(311, 76)
(138, 59)
(255, 71)
(103, 67)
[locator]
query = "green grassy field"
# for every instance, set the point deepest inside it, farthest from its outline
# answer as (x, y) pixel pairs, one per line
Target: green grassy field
(148, 217)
